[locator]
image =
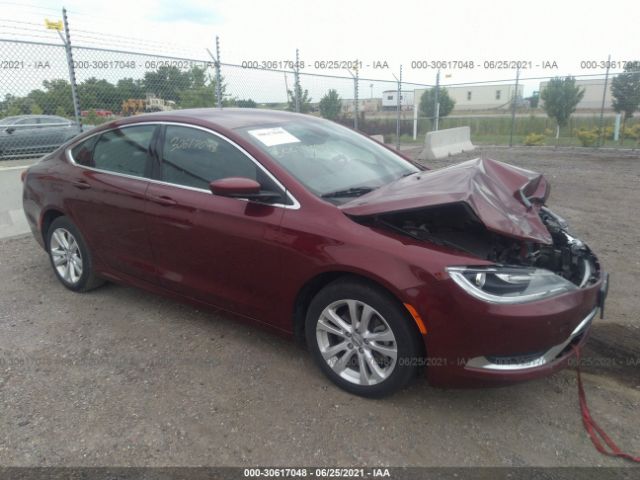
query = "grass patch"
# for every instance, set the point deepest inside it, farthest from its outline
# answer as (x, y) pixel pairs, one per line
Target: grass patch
(496, 130)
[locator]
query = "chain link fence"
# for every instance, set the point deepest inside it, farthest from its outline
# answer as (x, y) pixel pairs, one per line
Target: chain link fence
(36, 105)
(52, 89)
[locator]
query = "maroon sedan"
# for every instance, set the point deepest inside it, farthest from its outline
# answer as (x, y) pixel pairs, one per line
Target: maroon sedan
(318, 232)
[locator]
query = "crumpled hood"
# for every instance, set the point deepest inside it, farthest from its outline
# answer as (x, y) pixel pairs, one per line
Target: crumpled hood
(495, 191)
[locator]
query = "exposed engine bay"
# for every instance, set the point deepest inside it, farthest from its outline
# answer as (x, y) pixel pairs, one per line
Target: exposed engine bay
(455, 225)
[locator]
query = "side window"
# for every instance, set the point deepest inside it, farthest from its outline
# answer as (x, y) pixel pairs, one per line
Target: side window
(124, 150)
(82, 154)
(194, 158)
(52, 121)
(26, 121)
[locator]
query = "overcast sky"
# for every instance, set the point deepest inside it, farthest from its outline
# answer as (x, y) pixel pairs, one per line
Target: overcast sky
(396, 32)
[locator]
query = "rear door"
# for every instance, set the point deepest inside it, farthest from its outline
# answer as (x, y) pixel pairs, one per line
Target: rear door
(219, 250)
(51, 131)
(25, 136)
(109, 205)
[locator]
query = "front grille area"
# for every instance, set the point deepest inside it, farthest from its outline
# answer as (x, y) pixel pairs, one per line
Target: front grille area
(514, 359)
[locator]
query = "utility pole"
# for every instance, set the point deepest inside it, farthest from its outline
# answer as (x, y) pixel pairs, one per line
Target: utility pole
(398, 110)
(297, 81)
(72, 72)
(356, 111)
(436, 102)
(513, 107)
(218, 76)
(217, 66)
(604, 97)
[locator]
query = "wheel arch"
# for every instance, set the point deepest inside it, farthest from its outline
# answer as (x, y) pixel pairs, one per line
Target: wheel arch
(321, 280)
(46, 219)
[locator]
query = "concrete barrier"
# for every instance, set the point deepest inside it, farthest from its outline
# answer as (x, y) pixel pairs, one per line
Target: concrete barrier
(446, 142)
(378, 138)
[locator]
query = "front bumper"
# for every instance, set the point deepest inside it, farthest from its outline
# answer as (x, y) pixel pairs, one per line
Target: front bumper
(472, 343)
(522, 363)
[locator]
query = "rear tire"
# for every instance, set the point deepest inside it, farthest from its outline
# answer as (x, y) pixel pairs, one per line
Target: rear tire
(70, 257)
(362, 338)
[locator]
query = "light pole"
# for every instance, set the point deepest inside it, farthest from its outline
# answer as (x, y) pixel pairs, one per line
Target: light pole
(436, 102)
(513, 107)
(604, 98)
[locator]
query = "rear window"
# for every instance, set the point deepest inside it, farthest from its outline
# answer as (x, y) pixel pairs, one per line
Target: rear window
(82, 154)
(8, 120)
(124, 150)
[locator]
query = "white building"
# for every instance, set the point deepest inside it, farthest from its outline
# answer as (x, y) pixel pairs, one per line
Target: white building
(390, 100)
(592, 99)
(367, 105)
(479, 97)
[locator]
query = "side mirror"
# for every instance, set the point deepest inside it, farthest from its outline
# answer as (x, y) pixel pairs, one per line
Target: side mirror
(241, 187)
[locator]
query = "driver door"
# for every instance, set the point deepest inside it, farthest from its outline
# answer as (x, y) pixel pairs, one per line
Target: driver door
(216, 249)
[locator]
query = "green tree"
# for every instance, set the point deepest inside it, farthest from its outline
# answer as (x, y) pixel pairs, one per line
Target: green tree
(99, 94)
(23, 106)
(534, 100)
(4, 104)
(560, 97)
(198, 97)
(625, 90)
(92, 118)
(246, 103)
(428, 106)
(303, 95)
(330, 105)
(201, 92)
(198, 77)
(57, 93)
(44, 101)
(13, 110)
(129, 88)
(167, 82)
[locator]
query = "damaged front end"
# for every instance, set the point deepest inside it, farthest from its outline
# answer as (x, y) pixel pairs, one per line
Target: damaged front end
(494, 212)
(456, 226)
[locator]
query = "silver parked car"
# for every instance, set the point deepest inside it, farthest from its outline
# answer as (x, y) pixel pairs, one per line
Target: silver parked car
(32, 134)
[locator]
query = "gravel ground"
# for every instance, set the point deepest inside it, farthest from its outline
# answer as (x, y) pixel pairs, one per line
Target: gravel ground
(122, 377)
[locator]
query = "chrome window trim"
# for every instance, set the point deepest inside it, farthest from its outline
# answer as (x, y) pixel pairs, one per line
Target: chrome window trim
(294, 206)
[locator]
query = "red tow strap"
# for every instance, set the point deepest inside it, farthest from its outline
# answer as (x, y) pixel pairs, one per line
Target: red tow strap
(594, 430)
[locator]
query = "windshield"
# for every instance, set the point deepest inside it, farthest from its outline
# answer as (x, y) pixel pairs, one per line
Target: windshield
(330, 160)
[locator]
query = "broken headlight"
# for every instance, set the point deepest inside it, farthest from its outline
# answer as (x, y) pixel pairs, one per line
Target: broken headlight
(509, 284)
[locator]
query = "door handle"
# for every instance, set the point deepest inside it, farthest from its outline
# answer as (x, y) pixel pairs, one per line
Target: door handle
(81, 184)
(164, 201)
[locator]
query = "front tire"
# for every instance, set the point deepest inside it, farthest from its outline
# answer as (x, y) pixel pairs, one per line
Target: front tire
(362, 339)
(70, 257)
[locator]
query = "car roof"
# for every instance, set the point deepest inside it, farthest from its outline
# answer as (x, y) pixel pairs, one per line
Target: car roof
(229, 118)
(9, 120)
(20, 117)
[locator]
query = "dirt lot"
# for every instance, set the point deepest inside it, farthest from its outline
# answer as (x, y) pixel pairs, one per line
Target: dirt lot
(122, 377)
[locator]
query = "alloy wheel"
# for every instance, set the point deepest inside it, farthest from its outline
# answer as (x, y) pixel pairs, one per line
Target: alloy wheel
(66, 256)
(356, 342)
